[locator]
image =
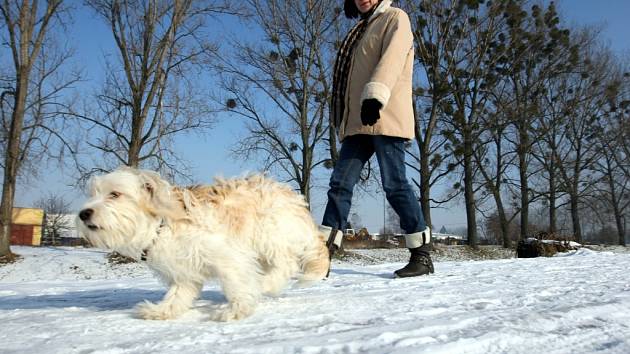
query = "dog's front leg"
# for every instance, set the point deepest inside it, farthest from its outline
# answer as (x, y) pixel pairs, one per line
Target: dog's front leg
(242, 288)
(177, 300)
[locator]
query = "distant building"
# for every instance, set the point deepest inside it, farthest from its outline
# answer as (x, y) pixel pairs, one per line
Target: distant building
(61, 230)
(26, 226)
(448, 239)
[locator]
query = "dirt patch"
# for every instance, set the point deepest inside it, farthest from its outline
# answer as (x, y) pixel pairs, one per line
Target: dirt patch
(462, 252)
(9, 258)
(441, 253)
(369, 244)
(531, 248)
(117, 258)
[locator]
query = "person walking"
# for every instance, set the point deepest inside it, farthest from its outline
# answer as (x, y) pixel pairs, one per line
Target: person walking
(372, 111)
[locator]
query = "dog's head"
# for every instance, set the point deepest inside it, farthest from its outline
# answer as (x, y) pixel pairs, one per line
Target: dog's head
(125, 209)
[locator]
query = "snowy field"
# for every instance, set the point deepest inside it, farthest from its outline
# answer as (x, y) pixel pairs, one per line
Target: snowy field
(63, 300)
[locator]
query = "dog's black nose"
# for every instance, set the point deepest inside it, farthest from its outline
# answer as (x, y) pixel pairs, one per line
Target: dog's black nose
(85, 214)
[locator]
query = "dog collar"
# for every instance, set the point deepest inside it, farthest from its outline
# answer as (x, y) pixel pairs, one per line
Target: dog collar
(145, 252)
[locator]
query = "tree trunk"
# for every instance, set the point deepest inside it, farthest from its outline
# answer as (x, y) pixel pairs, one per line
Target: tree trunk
(425, 190)
(505, 228)
(619, 221)
(305, 186)
(503, 222)
(11, 161)
(305, 190)
(621, 230)
(469, 194)
(552, 200)
(575, 217)
(6, 208)
(425, 174)
(135, 144)
(522, 170)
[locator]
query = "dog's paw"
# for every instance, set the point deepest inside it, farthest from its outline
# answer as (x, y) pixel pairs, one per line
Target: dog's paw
(150, 311)
(232, 312)
(272, 290)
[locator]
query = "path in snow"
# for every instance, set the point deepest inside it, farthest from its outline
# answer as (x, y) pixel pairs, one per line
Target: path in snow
(71, 301)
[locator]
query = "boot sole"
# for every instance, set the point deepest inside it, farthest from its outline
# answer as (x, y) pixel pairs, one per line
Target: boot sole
(396, 276)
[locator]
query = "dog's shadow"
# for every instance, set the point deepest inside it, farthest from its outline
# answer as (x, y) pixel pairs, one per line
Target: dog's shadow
(123, 298)
(99, 300)
(354, 272)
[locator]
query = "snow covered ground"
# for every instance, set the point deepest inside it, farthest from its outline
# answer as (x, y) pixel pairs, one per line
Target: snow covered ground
(64, 300)
(441, 253)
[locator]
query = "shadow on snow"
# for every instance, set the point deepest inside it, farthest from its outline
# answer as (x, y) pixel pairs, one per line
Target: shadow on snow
(101, 300)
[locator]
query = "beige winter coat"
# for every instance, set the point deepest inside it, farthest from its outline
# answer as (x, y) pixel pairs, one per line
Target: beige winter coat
(381, 68)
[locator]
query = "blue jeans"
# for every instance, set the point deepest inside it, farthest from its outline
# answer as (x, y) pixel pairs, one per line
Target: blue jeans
(356, 150)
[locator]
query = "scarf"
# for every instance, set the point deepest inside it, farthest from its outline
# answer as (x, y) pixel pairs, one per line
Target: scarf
(342, 67)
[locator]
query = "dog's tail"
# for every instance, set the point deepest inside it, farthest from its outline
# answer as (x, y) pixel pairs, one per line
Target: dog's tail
(315, 261)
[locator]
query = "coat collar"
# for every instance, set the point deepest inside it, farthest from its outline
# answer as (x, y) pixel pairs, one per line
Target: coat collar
(382, 7)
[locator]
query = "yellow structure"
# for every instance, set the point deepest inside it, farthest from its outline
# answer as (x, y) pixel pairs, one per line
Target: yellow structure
(26, 228)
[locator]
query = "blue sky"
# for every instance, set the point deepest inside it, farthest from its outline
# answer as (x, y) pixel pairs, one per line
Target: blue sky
(209, 154)
(611, 15)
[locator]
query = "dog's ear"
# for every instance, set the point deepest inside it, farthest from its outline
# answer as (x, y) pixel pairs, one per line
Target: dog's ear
(149, 188)
(160, 195)
(157, 188)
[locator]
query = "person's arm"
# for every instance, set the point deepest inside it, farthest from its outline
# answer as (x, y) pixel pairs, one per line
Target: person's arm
(397, 42)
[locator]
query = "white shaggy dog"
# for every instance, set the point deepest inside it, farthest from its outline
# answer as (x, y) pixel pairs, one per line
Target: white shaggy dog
(252, 235)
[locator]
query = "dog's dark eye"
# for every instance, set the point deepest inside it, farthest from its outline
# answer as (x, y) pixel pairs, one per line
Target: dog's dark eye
(114, 195)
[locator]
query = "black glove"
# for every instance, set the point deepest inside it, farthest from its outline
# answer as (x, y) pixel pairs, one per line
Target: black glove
(370, 111)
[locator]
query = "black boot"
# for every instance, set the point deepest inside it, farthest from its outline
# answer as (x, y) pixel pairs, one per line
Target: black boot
(419, 264)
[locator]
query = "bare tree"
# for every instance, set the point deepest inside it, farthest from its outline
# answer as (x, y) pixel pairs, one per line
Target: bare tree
(152, 93)
(534, 49)
(281, 85)
(612, 139)
(27, 93)
(432, 33)
(584, 103)
(496, 228)
(557, 106)
(57, 210)
(494, 158)
(472, 57)
(614, 190)
(537, 51)
(545, 148)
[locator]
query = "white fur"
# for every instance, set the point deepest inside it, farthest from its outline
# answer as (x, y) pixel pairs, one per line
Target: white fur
(252, 235)
(376, 90)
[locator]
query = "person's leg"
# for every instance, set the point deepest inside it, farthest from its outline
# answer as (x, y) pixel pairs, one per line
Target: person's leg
(390, 152)
(355, 152)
